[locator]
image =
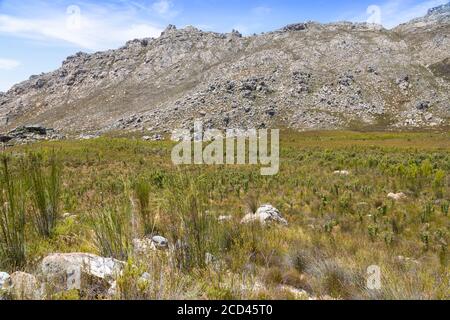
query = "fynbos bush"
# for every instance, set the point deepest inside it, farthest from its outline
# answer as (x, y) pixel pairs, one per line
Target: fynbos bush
(45, 188)
(113, 231)
(12, 218)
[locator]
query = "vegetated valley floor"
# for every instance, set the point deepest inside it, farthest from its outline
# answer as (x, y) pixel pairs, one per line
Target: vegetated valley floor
(339, 225)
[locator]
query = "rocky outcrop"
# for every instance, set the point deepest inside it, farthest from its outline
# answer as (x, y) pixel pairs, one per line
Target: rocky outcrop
(27, 134)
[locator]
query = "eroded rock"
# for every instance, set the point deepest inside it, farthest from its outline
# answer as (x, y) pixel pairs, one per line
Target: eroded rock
(265, 215)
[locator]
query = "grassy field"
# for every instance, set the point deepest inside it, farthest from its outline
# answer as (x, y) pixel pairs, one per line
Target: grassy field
(118, 189)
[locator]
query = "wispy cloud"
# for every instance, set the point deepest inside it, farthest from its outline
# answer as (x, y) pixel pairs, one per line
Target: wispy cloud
(391, 13)
(8, 64)
(91, 26)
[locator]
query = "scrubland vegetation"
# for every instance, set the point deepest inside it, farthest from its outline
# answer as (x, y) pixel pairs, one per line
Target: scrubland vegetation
(97, 196)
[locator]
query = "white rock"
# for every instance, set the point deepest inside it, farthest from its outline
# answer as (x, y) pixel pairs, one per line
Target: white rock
(77, 270)
(265, 214)
(25, 286)
(146, 245)
(224, 218)
(4, 278)
(298, 294)
(160, 242)
(5, 285)
(143, 246)
(396, 196)
(342, 172)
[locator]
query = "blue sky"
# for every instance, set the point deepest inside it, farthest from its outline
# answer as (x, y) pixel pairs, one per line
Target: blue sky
(37, 35)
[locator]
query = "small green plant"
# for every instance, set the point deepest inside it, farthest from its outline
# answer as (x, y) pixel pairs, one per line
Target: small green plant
(438, 183)
(12, 218)
(427, 213)
(45, 189)
(444, 207)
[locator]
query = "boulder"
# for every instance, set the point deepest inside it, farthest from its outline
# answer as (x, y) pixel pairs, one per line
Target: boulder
(147, 245)
(265, 214)
(396, 196)
(422, 105)
(296, 27)
(81, 271)
(25, 286)
(160, 242)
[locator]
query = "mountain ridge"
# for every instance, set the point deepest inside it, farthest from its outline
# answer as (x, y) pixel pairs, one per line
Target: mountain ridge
(305, 76)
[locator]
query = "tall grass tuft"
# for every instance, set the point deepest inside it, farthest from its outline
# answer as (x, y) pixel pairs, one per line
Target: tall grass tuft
(196, 232)
(12, 218)
(112, 231)
(45, 187)
(252, 201)
(142, 191)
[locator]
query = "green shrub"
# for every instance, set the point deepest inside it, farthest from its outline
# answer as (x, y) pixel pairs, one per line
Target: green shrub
(45, 188)
(12, 218)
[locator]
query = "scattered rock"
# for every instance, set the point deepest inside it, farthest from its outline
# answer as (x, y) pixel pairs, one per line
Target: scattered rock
(156, 137)
(25, 286)
(82, 271)
(224, 218)
(396, 196)
(5, 285)
(160, 242)
(296, 27)
(423, 105)
(265, 214)
(147, 245)
(32, 133)
(342, 172)
(403, 259)
(298, 294)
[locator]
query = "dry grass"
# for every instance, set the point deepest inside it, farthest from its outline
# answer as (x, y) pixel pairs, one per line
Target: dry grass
(338, 225)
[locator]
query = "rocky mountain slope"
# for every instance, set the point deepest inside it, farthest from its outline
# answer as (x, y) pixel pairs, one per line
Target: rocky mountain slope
(305, 76)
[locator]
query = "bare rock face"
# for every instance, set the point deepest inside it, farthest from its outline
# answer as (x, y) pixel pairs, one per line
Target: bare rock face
(305, 76)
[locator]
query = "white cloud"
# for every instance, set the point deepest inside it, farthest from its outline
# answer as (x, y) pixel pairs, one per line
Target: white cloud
(395, 12)
(8, 64)
(92, 27)
(162, 7)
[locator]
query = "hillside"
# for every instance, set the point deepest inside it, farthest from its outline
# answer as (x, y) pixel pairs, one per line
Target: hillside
(305, 76)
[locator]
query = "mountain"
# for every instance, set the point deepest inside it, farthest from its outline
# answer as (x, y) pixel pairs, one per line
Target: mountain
(305, 76)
